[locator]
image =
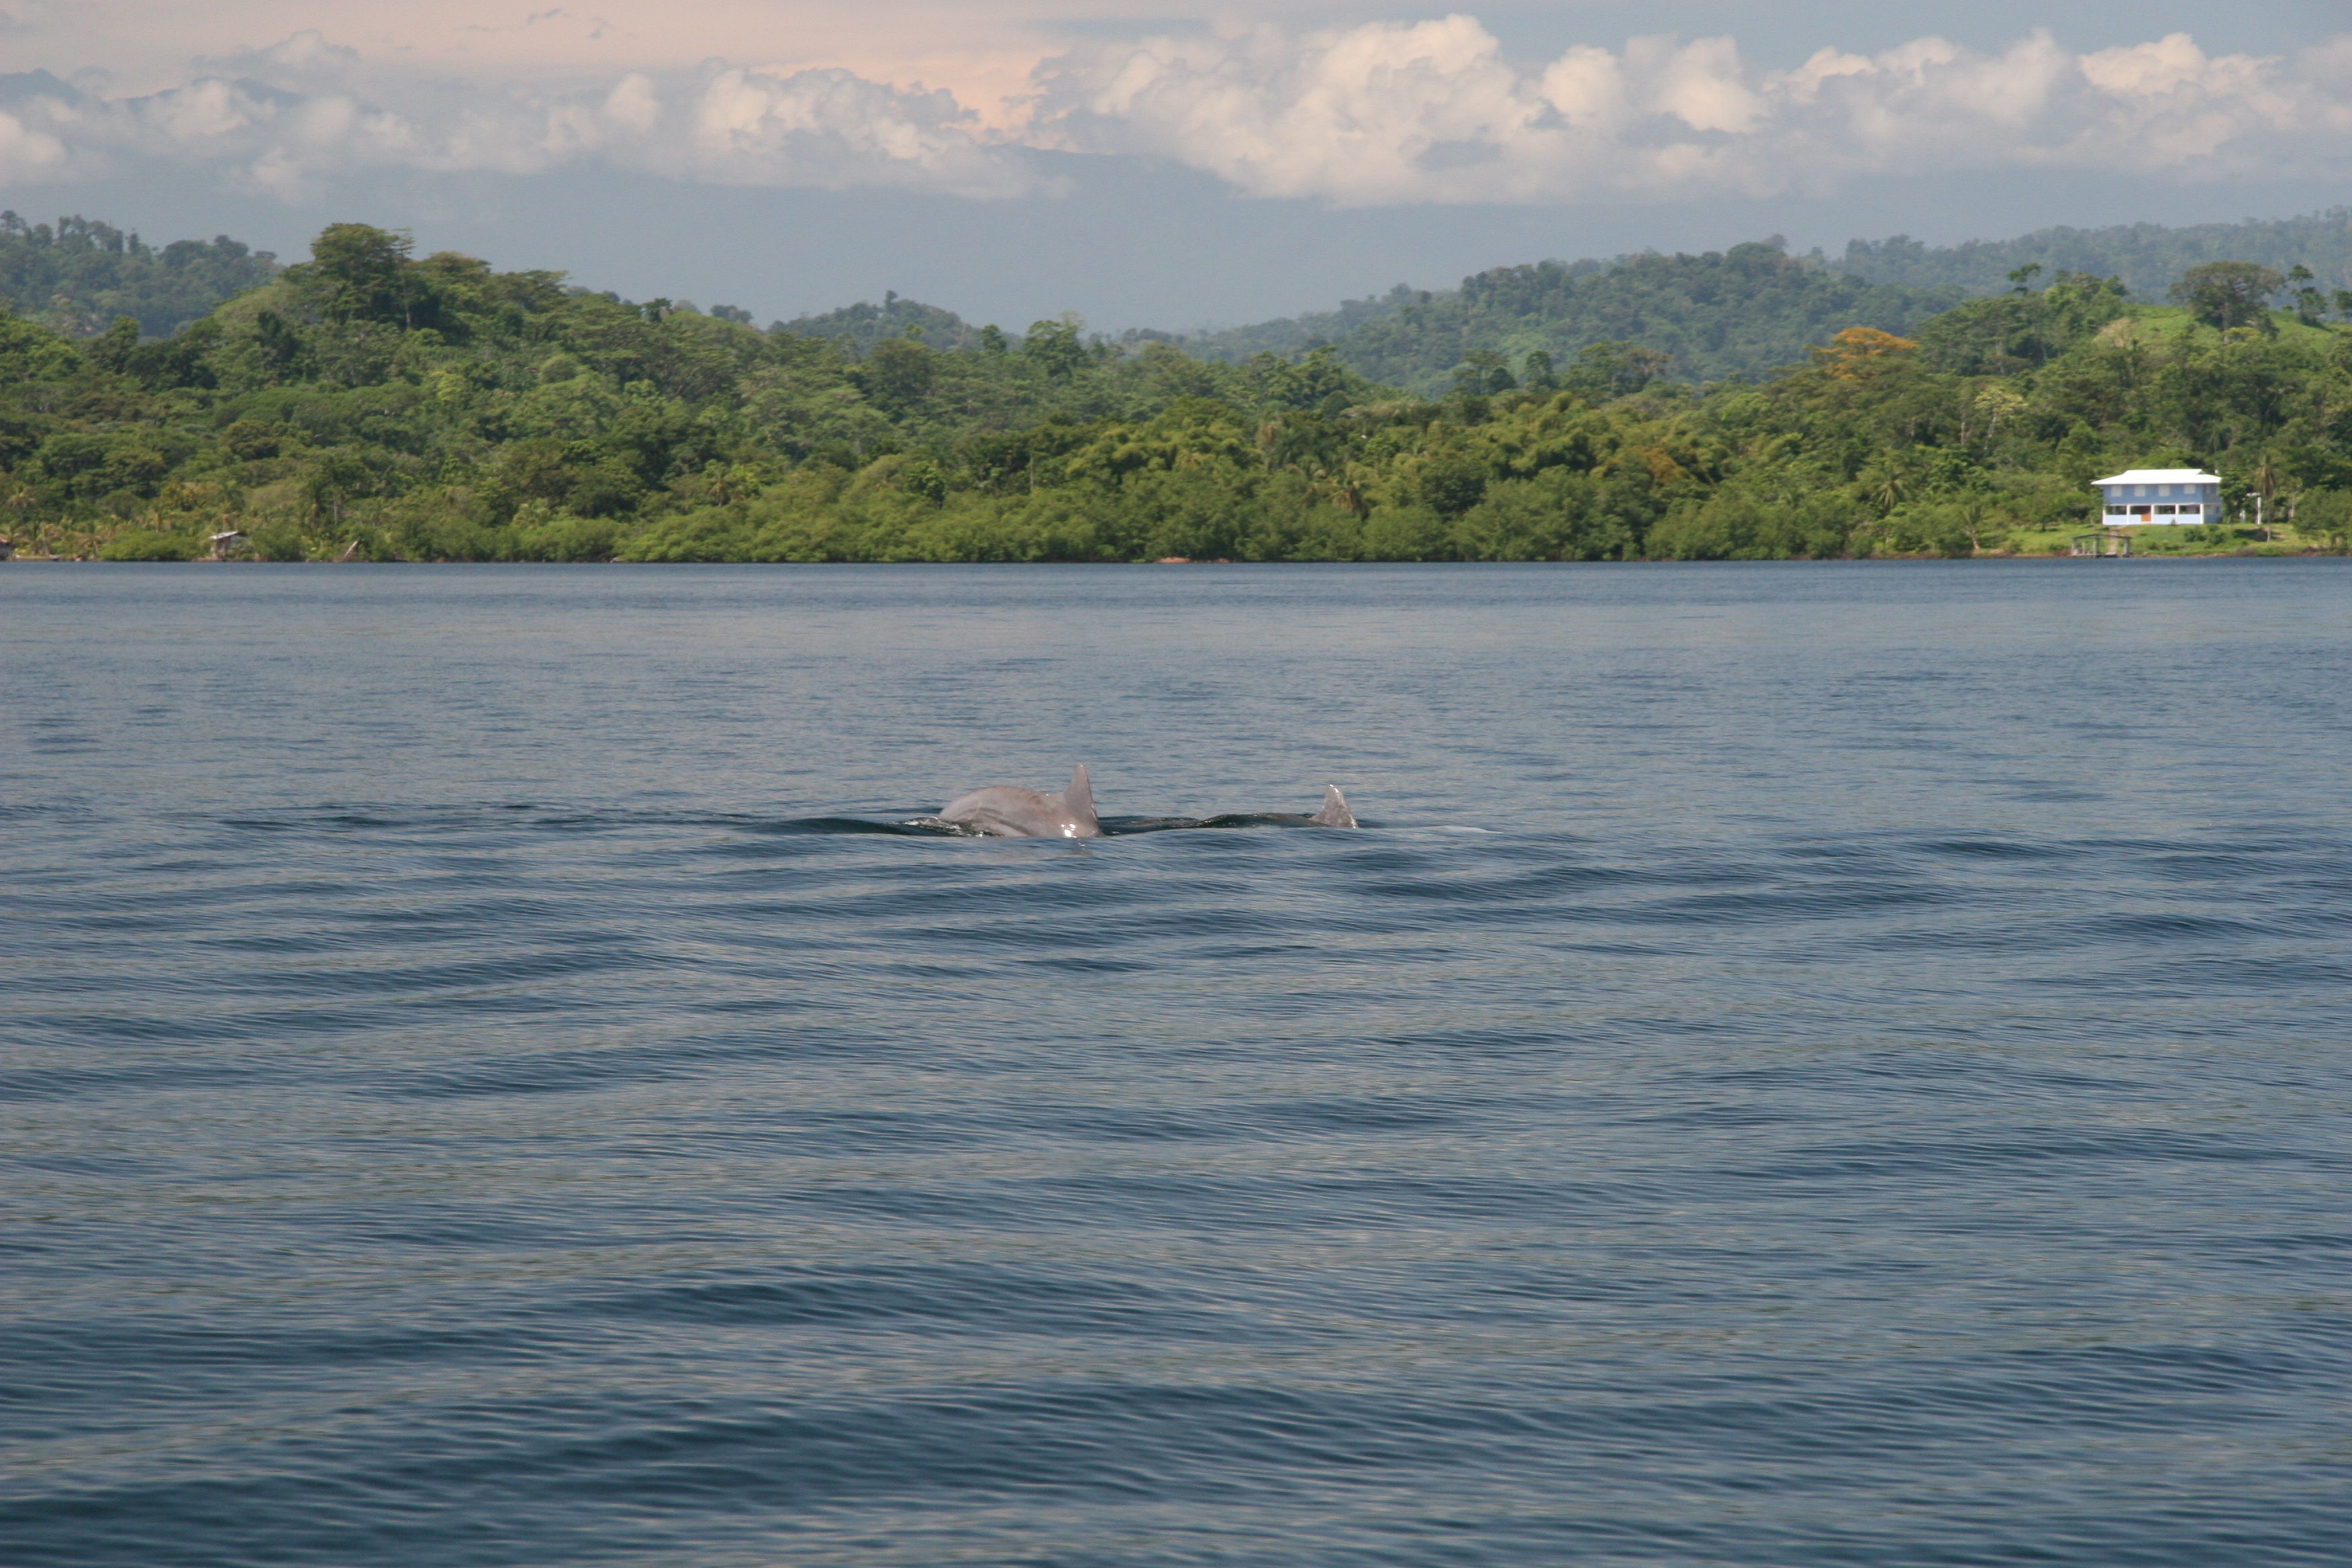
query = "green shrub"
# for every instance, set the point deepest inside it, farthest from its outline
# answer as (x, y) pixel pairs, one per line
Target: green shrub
(279, 542)
(147, 544)
(705, 533)
(567, 539)
(1558, 515)
(1932, 528)
(2325, 519)
(1739, 524)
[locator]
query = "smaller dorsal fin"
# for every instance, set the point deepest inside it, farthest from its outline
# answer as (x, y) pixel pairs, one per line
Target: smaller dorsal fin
(1335, 812)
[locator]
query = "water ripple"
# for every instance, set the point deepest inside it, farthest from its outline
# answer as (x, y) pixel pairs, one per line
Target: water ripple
(1773, 1083)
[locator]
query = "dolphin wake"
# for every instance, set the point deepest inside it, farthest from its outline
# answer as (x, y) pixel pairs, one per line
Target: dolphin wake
(1110, 827)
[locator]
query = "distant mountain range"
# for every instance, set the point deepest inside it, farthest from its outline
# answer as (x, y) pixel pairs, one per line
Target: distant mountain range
(1741, 312)
(1754, 309)
(2148, 257)
(1745, 311)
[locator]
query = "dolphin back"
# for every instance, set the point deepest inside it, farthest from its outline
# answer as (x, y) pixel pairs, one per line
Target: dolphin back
(1008, 811)
(1335, 812)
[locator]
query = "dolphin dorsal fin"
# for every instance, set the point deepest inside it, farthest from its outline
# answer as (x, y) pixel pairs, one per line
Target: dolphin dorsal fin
(1335, 812)
(1080, 797)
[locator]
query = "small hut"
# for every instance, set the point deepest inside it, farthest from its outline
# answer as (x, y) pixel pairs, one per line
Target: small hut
(2106, 542)
(229, 544)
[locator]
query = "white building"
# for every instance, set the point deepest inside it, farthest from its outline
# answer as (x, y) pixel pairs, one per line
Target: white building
(2161, 495)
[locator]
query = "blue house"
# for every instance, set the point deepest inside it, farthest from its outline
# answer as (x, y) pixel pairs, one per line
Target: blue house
(2160, 496)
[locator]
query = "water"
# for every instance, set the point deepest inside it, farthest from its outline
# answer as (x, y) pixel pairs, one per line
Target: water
(1803, 1064)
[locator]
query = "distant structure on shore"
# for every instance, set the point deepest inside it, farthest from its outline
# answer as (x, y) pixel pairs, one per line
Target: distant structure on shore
(2177, 496)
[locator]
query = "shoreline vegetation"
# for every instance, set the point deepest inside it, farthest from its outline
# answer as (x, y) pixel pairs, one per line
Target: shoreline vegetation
(366, 404)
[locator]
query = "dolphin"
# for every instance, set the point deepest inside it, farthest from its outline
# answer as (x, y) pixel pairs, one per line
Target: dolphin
(1012, 812)
(1335, 812)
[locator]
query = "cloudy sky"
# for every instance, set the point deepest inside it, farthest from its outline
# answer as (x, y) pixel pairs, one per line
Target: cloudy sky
(1159, 162)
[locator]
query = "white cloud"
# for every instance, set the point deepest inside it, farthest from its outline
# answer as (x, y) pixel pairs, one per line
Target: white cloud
(1380, 113)
(290, 120)
(1433, 111)
(1377, 113)
(26, 154)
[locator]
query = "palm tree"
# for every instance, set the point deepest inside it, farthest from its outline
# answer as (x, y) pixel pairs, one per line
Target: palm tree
(2265, 483)
(1886, 483)
(1973, 516)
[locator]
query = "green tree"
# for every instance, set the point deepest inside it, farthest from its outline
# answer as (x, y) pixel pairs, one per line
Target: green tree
(1055, 347)
(899, 372)
(2310, 304)
(112, 349)
(360, 273)
(1608, 369)
(1483, 373)
(2228, 294)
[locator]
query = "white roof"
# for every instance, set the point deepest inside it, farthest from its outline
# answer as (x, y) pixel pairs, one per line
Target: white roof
(2161, 477)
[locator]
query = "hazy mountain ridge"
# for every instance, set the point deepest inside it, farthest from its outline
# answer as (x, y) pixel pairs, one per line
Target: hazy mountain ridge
(2148, 257)
(1752, 309)
(1740, 313)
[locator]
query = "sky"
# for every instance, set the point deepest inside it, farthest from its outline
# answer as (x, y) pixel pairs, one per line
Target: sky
(1155, 162)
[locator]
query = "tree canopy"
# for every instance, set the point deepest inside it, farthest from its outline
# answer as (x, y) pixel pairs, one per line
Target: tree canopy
(2226, 294)
(369, 401)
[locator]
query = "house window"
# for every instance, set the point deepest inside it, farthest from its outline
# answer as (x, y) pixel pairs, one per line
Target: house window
(2118, 511)
(2166, 510)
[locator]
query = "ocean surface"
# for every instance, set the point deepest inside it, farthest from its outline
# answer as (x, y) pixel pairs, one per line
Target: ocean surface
(1801, 1065)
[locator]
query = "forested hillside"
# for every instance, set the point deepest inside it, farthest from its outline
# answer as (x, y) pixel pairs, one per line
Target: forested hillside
(1748, 311)
(371, 405)
(76, 275)
(2146, 256)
